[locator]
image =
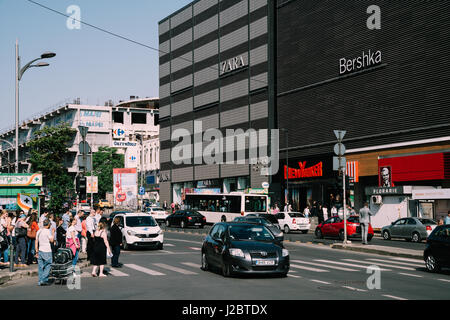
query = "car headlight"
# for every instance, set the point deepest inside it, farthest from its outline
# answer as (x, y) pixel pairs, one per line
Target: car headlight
(160, 231)
(236, 253)
(131, 233)
(285, 253)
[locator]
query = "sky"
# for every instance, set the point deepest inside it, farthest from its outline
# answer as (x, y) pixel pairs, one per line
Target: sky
(89, 64)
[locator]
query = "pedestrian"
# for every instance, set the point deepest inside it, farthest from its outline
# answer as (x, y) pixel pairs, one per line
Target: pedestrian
(60, 233)
(78, 226)
(72, 241)
(66, 219)
(21, 243)
(334, 211)
(165, 205)
(116, 240)
(10, 222)
(276, 209)
(320, 213)
(364, 221)
(101, 249)
(447, 218)
(307, 212)
(44, 238)
(325, 212)
(83, 235)
(3, 237)
(441, 222)
(314, 210)
(31, 238)
(91, 226)
(42, 218)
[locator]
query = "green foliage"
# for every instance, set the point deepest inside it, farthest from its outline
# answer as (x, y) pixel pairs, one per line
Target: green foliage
(47, 151)
(104, 161)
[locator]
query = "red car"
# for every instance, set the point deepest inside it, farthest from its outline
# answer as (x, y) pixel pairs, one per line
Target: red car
(334, 227)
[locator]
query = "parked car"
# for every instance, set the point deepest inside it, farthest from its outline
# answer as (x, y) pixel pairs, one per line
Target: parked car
(334, 227)
(275, 229)
(244, 248)
(159, 214)
(411, 229)
(186, 218)
(437, 252)
(293, 221)
(104, 204)
(270, 217)
(140, 229)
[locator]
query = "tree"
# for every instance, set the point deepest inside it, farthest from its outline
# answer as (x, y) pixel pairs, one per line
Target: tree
(104, 161)
(48, 151)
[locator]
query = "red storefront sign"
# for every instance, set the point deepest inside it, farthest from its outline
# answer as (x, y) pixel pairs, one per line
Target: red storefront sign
(304, 172)
(434, 166)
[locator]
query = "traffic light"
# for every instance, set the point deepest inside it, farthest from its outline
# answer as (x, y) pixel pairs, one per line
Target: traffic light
(81, 186)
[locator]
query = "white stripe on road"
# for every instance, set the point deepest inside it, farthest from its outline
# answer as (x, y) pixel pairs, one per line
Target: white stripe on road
(397, 262)
(307, 268)
(171, 239)
(393, 297)
(193, 248)
(318, 281)
(166, 251)
(293, 276)
(169, 245)
(407, 259)
(410, 275)
(117, 273)
(144, 270)
(179, 270)
(380, 264)
(445, 280)
(190, 264)
(326, 266)
(354, 289)
(347, 264)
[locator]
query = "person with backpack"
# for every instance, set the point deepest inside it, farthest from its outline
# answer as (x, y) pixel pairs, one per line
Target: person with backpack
(43, 247)
(21, 243)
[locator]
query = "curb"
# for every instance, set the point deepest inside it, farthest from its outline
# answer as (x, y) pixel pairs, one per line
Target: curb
(411, 255)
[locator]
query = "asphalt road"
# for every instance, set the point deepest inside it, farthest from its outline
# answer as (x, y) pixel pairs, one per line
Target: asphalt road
(317, 272)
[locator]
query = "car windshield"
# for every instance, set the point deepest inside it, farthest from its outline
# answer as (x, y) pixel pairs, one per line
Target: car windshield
(193, 213)
(144, 221)
(249, 232)
(427, 221)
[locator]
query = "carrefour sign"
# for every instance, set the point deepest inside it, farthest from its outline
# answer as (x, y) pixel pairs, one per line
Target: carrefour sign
(119, 133)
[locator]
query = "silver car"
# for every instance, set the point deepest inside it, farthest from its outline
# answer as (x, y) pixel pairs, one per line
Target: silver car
(411, 229)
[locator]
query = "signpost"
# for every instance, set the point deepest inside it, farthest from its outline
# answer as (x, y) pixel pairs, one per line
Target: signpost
(340, 164)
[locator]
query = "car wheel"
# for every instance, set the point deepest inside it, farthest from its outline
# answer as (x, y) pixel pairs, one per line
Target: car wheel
(205, 264)
(386, 235)
(286, 229)
(226, 270)
(431, 264)
(182, 225)
(125, 244)
(318, 233)
(416, 237)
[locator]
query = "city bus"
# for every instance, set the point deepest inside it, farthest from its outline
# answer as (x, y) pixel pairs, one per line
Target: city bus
(226, 206)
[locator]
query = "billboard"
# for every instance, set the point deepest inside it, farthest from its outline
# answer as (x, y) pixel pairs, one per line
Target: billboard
(92, 184)
(125, 187)
(21, 180)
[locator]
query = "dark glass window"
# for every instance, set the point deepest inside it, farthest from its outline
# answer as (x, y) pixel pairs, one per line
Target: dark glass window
(138, 118)
(118, 117)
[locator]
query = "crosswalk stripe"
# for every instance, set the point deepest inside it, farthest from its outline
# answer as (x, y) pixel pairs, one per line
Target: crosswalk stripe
(307, 268)
(190, 264)
(380, 264)
(410, 275)
(326, 266)
(117, 273)
(393, 297)
(347, 264)
(445, 280)
(406, 259)
(398, 262)
(169, 245)
(166, 251)
(354, 289)
(144, 270)
(294, 276)
(193, 248)
(179, 270)
(318, 281)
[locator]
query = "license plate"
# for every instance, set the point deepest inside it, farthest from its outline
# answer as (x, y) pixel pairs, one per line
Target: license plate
(265, 262)
(198, 224)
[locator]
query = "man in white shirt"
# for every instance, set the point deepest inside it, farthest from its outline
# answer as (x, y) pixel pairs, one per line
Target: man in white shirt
(44, 238)
(42, 218)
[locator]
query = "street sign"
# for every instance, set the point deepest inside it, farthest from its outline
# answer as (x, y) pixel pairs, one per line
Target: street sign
(339, 149)
(141, 191)
(340, 134)
(339, 163)
(84, 162)
(83, 131)
(84, 147)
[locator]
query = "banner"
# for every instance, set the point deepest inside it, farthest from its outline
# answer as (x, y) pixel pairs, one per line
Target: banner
(92, 184)
(125, 187)
(21, 180)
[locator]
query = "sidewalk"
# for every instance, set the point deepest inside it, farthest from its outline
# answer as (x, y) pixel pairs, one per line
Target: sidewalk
(389, 251)
(31, 271)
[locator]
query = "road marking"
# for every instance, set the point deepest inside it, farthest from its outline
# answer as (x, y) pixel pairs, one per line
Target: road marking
(393, 297)
(293, 276)
(326, 266)
(117, 273)
(397, 262)
(179, 270)
(347, 264)
(169, 245)
(307, 268)
(144, 270)
(445, 280)
(318, 281)
(167, 251)
(381, 264)
(198, 249)
(181, 240)
(410, 275)
(407, 259)
(354, 289)
(190, 264)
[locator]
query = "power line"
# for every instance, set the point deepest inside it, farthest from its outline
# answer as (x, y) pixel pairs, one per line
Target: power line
(122, 37)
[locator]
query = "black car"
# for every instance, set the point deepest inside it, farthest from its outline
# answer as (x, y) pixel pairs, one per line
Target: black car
(269, 217)
(244, 248)
(186, 218)
(437, 251)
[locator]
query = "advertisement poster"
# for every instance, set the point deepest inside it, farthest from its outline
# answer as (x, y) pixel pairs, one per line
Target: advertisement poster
(125, 187)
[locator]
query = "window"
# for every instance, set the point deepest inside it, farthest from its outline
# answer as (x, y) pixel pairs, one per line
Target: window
(400, 222)
(138, 118)
(118, 117)
(444, 232)
(255, 204)
(144, 221)
(411, 222)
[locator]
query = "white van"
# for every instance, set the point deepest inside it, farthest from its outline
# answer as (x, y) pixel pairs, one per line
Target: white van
(293, 221)
(141, 230)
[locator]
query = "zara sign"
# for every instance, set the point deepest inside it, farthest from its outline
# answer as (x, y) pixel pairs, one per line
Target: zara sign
(232, 64)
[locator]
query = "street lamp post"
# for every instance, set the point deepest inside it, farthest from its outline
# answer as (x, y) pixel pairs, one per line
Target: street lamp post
(19, 73)
(287, 165)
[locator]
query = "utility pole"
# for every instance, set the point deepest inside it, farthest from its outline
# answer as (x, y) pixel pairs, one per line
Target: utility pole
(340, 164)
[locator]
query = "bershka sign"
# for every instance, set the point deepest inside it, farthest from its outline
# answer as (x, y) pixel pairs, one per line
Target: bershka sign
(364, 61)
(232, 64)
(303, 171)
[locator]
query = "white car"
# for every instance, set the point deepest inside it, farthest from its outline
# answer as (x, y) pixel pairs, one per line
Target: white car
(158, 213)
(140, 230)
(293, 221)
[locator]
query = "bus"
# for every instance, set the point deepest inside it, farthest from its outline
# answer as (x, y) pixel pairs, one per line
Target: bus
(226, 206)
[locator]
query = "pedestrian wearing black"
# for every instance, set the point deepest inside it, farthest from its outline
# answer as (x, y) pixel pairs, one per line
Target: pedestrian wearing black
(115, 241)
